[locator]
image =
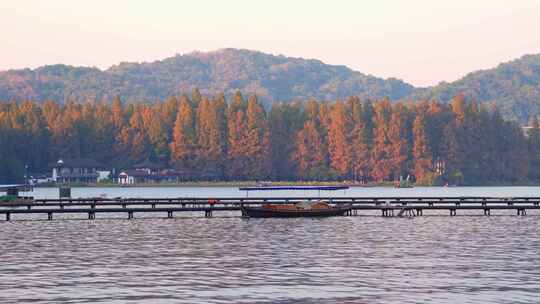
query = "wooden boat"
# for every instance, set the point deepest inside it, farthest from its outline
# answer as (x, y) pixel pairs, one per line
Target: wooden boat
(302, 209)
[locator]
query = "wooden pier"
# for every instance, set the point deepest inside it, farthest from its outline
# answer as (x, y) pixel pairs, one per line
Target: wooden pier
(387, 206)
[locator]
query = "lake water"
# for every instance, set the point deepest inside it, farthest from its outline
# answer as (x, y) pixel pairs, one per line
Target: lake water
(164, 192)
(227, 259)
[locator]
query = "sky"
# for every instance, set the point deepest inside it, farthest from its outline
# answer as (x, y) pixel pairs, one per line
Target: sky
(422, 42)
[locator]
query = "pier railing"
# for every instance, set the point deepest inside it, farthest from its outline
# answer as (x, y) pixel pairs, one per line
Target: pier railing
(388, 206)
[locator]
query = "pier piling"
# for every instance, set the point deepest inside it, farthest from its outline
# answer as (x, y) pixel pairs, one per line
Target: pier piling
(405, 206)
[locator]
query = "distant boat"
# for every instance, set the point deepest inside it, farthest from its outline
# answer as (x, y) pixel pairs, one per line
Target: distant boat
(302, 209)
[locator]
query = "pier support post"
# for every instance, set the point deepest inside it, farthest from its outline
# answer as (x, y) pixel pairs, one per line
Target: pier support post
(387, 212)
(28, 207)
(452, 212)
(487, 212)
(8, 216)
(91, 215)
(521, 212)
(49, 215)
(208, 213)
(169, 214)
(130, 215)
(419, 212)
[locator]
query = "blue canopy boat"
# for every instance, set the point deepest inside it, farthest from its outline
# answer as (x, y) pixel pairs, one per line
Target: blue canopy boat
(301, 209)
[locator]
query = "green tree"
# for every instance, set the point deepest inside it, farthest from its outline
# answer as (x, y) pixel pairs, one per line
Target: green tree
(534, 150)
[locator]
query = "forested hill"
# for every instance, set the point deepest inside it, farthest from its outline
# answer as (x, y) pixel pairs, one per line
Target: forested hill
(228, 70)
(514, 87)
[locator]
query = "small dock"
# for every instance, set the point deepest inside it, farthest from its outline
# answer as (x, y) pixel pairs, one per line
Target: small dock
(385, 206)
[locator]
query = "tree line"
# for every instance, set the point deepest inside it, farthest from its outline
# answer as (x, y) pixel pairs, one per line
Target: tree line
(363, 140)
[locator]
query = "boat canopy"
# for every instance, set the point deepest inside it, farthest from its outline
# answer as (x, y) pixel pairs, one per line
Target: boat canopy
(325, 188)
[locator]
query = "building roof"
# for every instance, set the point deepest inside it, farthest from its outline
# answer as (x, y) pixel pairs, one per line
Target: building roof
(134, 172)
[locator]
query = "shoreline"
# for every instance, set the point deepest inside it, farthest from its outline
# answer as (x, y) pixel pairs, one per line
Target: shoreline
(279, 183)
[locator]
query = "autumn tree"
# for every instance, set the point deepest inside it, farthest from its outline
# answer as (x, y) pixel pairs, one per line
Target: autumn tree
(139, 145)
(463, 142)
(237, 137)
(309, 155)
(183, 143)
(284, 121)
(258, 140)
(398, 141)
(423, 159)
(359, 139)
(156, 128)
(381, 153)
(338, 145)
(169, 110)
(210, 149)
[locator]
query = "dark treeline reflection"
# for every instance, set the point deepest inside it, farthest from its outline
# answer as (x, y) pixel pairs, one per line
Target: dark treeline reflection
(354, 139)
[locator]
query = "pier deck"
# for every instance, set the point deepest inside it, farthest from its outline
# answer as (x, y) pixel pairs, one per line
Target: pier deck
(387, 206)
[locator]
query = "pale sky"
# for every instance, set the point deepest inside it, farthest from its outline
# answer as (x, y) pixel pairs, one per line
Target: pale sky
(422, 42)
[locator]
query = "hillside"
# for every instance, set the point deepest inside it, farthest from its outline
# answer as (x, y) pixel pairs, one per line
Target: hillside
(514, 87)
(271, 77)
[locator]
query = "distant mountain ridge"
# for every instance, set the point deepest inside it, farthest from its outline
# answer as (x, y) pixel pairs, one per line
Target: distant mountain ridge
(514, 87)
(270, 77)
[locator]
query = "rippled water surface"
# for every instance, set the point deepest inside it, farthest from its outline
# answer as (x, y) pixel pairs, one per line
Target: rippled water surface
(226, 259)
